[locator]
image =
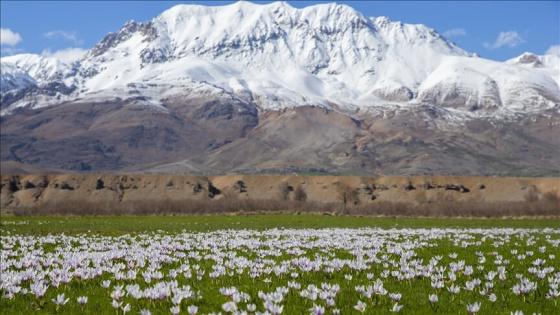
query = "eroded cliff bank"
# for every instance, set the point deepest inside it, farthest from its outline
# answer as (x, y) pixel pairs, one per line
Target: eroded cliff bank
(417, 195)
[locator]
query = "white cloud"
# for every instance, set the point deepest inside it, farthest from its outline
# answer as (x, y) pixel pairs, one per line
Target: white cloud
(509, 38)
(67, 55)
(455, 32)
(66, 35)
(9, 37)
(553, 50)
(8, 51)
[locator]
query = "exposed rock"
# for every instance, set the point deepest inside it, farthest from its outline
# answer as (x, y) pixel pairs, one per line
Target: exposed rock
(429, 186)
(455, 187)
(28, 185)
(99, 184)
(197, 187)
(240, 186)
(409, 187)
(63, 186)
(212, 190)
(113, 39)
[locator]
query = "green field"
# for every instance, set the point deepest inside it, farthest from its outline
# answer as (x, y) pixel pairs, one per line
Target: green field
(115, 225)
(293, 264)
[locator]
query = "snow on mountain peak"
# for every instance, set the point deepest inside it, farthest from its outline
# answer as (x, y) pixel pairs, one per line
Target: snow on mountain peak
(279, 56)
(13, 78)
(318, 54)
(40, 68)
(548, 64)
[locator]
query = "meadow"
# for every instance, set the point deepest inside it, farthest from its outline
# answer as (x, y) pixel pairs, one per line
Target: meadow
(278, 264)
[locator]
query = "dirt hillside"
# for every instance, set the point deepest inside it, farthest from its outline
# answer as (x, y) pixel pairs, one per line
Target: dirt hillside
(36, 191)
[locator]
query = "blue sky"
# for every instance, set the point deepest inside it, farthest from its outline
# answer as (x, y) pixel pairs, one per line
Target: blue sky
(493, 29)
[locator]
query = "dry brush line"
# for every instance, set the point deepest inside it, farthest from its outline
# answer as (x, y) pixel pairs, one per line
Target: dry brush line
(224, 206)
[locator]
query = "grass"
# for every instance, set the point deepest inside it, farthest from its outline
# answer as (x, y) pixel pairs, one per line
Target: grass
(114, 225)
(167, 229)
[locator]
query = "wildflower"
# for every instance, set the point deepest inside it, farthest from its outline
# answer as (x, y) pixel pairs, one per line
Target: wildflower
(106, 283)
(395, 296)
(454, 289)
(473, 308)
(437, 284)
(553, 293)
(126, 308)
(229, 307)
(60, 300)
(39, 289)
(117, 293)
(193, 309)
(360, 306)
(274, 308)
(175, 309)
(317, 310)
(116, 304)
(396, 308)
(176, 300)
(378, 288)
(82, 300)
(525, 286)
(433, 298)
(145, 312)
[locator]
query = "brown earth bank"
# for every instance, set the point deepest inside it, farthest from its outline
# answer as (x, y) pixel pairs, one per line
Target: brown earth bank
(156, 194)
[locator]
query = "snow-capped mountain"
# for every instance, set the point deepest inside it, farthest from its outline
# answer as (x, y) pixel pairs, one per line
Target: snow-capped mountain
(271, 88)
(277, 56)
(35, 81)
(548, 64)
(42, 69)
(13, 78)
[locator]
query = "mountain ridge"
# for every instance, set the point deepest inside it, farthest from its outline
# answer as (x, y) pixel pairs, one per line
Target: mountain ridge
(278, 56)
(270, 88)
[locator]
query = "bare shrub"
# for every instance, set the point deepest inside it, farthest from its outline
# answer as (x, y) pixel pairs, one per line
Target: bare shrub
(552, 197)
(348, 196)
(547, 206)
(285, 190)
(421, 197)
(299, 194)
(149, 207)
(532, 194)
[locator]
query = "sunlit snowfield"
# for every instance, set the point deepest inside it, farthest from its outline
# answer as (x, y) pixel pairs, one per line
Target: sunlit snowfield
(263, 270)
